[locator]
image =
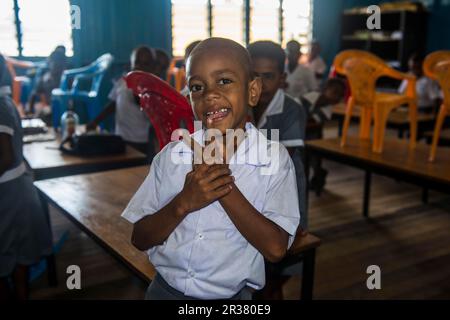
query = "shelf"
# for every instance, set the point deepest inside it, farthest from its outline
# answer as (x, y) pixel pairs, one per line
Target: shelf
(352, 38)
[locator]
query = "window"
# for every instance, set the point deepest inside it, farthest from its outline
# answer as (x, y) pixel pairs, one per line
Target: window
(297, 22)
(8, 34)
(264, 20)
(39, 33)
(228, 19)
(190, 21)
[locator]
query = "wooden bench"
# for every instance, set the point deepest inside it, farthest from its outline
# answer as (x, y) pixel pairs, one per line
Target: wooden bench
(94, 202)
(397, 161)
(398, 119)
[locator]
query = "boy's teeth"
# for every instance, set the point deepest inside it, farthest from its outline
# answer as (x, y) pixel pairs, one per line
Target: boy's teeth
(217, 111)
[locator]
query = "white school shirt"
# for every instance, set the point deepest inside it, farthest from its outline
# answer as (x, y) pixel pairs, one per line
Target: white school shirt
(206, 256)
(427, 91)
(132, 124)
(317, 65)
(300, 81)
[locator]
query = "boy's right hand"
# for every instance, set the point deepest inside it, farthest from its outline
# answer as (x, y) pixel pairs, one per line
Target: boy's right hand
(204, 185)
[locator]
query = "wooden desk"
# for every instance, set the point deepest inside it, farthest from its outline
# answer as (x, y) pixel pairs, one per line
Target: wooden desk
(47, 161)
(94, 203)
(398, 119)
(397, 161)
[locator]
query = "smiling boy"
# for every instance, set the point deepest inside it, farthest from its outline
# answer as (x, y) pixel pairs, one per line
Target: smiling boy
(208, 228)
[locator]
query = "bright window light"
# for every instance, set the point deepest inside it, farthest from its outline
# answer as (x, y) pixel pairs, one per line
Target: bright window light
(45, 25)
(8, 34)
(264, 20)
(297, 22)
(228, 19)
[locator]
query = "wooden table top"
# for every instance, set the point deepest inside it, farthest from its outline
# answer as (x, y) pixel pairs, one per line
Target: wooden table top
(396, 117)
(95, 201)
(396, 156)
(47, 161)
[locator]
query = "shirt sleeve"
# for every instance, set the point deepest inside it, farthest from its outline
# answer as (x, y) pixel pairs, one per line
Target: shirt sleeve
(310, 81)
(281, 203)
(114, 91)
(6, 121)
(146, 200)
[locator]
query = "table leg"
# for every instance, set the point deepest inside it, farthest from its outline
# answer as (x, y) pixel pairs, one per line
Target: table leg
(366, 200)
(309, 259)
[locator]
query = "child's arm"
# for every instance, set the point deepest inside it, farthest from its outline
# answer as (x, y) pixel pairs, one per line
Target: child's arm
(202, 186)
(267, 237)
(107, 111)
(6, 152)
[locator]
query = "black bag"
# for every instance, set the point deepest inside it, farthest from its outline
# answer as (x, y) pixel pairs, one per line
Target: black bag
(87, 145)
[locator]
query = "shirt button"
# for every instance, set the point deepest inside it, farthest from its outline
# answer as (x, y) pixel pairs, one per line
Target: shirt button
(200, 236)
(191, 274)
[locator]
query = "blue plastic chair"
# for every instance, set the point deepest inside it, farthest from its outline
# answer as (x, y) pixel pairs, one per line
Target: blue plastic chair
(65, 94)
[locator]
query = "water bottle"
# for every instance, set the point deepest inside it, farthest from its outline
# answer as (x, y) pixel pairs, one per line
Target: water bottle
(69, 123)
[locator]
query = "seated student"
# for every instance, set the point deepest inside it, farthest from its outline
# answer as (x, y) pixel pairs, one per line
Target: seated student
(300, 79)
(208, 227)
(131, 123)
(428, 92)
(314, 61)
(24, 230)
(162, 63)
(57, 63)
(276, 110)
(318, 106)
(187, 52)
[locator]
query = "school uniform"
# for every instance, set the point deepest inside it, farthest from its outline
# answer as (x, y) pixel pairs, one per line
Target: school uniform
(24, 230)
(286, 115)
(300, 81)
(132, 124)
(206, 257)
(317, 66)
(427, 92)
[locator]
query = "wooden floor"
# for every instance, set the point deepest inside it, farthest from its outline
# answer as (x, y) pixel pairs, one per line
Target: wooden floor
(408, 240)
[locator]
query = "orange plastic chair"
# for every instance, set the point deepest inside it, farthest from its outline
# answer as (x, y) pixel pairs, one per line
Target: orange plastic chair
(362, 70)
(437, 67)
(176, 75)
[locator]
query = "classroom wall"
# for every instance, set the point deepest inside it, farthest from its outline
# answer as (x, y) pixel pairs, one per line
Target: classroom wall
(327, 23)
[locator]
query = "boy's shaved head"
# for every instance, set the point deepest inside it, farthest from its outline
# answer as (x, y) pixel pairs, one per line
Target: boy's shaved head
(230, 47)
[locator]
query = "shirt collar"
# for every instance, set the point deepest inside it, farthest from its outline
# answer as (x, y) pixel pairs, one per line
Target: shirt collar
(253, 150)
(275, 107)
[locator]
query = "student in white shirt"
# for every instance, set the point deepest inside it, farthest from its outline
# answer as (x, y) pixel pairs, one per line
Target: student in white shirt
(208, 228)
(427, 90)
(314, 61)
(130, 122)
(300, 80)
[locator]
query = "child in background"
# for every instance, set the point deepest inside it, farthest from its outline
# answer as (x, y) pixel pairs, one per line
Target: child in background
(318, 106)
(315, 63)
(131, 123)
(429, 95)
(57, 63)
(207, 228)
(162, 63)
(300, 80)
(277, 110)
(24, 230)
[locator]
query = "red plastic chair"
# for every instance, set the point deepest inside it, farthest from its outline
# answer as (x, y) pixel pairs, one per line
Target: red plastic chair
(167, 109)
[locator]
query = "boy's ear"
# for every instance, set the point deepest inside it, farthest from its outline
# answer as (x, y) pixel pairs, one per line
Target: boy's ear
(254, 91)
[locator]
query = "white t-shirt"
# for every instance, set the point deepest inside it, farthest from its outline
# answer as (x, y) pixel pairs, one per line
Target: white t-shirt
(427, 91)
(301, 81)
(317, 65)
(132, 124)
